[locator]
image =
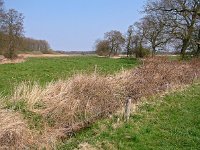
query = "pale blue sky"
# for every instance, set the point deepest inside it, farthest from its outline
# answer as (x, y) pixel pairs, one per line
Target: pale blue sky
(75, 24)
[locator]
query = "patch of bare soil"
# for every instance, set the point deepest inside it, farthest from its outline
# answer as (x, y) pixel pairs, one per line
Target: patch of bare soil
(4, 60)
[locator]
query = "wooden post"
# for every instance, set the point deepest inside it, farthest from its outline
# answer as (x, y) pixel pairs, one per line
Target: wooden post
(194, 78)
(95, 69)
(167, 87)
(127, 108)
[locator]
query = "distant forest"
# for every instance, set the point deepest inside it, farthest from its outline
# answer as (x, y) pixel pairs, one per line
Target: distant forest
(25, 44)
(12, 39)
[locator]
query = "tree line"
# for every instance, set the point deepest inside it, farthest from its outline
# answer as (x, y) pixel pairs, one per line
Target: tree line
(29, 44)
(12, 34)
(167, 25)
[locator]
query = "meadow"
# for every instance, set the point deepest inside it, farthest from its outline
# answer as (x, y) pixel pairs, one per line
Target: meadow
(84, 107)
(44, 70)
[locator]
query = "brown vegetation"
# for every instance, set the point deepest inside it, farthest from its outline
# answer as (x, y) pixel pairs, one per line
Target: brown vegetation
(68, 106)
(22, 57)
(159, 75)
(4, 60)
(14, 133)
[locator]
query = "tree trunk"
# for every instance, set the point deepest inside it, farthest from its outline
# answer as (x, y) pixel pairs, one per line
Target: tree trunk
(111, 51)
(198, 42)
(198, 51)
(111, 48)
(11, 50)
(184, 47)
(127, 53)
(153, 51)
(190, 30)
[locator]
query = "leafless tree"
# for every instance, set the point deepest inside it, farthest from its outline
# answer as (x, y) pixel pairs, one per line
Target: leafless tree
(198, 43)
(1, 18)
(116, 41)
(181, 17)
(130, 41)
(1, 9)
(141, 32)
(13, 29)
(156, 33)
(102, 47)
(198, 38)
(139, 38)
(138, 42)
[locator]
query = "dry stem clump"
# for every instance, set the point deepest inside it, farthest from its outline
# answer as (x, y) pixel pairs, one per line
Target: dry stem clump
(79, 99)
(160, 75)
(14, 133)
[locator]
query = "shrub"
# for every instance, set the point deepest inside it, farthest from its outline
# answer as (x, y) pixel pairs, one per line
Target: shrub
(102, 48)
(10, 54)
(142, 52)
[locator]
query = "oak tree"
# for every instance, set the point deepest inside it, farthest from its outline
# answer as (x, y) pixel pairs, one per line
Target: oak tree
(116, 41)
(181, 17)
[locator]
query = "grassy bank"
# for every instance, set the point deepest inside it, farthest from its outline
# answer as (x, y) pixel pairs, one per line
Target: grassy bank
(46, 116)
(47, 69)
(171, 122)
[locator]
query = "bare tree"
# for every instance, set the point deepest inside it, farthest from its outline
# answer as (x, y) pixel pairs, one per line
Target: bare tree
(1, 18)
(139, 38)
(181, 17)
(198, 39)
(198, 43)
(1, 9)
(129, 41)
(141, 32)
(13, 28)
(156, 33)
(102, 47)
(116, 41)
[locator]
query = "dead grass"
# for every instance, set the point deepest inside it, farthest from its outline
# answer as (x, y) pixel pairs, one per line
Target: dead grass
(14, 133)
(22, 57)
(79, 98)
(160, 75)
(42, 55)
(85, 146)
(10, 61)
(70, 105)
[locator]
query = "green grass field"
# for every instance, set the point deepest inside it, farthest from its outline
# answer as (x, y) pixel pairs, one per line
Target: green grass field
(169, 123)
(44, 70)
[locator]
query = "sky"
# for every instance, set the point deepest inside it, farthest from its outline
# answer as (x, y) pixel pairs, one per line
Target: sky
(75, 25)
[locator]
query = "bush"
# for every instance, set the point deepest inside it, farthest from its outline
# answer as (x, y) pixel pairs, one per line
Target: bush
(142, 52)
(10, 54)
(102, 48)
